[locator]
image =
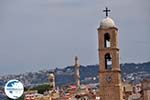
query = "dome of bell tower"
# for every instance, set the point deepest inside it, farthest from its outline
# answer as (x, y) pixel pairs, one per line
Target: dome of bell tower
(107, 23)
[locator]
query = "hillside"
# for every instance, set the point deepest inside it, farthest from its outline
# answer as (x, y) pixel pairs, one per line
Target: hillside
(130, 71)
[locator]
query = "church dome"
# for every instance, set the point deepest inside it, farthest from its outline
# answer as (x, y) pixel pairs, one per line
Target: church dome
(51, 75)
(107, 23)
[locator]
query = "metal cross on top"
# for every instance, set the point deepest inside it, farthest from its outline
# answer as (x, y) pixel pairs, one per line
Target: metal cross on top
(107, 11)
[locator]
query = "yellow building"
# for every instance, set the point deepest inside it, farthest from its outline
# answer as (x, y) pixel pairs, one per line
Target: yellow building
(127, 90)
(146, 90)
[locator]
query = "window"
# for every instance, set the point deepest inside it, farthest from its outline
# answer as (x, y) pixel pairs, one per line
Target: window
(107, 40)
(108, 62)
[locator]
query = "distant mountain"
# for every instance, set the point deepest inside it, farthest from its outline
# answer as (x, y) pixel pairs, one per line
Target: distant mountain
(135, 72)
(130, 71)
(88, 74)
(66, 75)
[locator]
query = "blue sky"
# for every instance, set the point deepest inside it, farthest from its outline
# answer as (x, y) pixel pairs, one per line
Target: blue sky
(44, 34)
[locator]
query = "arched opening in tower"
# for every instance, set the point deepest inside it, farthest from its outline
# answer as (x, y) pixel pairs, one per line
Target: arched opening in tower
(108, 62)
(107, 40)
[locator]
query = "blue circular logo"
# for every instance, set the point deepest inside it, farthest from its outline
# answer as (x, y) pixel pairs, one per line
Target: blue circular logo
(14, 89)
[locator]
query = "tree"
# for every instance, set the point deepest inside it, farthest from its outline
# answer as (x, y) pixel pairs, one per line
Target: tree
(42, 88)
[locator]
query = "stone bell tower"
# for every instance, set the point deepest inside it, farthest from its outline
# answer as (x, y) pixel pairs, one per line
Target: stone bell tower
(110, 72)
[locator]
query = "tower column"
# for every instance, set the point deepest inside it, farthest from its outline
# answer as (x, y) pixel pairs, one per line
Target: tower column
(110, 72)
(52, 80)
(77, 71)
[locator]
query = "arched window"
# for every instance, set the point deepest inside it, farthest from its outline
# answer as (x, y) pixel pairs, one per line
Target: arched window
(108, 61)
(107, 40)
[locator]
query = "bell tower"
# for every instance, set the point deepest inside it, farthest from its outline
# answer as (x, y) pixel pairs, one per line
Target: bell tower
(110, 72)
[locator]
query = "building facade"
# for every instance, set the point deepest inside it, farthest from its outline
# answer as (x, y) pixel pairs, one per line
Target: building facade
(146, 90)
